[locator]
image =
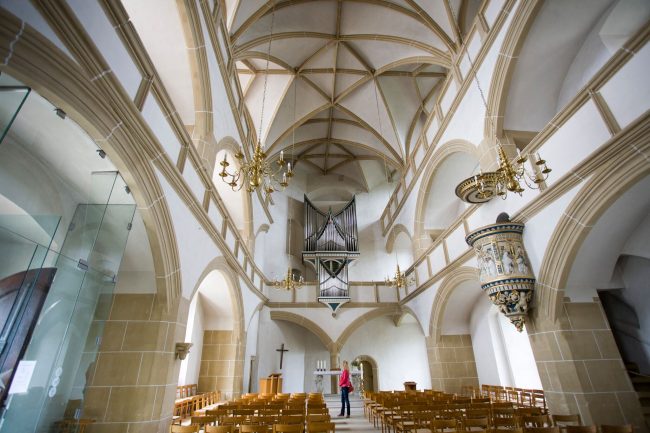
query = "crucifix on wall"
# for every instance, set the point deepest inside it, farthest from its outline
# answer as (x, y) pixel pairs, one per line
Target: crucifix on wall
(281, 350)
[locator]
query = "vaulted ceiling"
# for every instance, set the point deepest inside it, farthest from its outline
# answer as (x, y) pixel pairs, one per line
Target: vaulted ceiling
(348, 80)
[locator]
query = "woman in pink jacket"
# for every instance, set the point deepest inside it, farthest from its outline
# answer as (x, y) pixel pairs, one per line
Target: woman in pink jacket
(345, 384)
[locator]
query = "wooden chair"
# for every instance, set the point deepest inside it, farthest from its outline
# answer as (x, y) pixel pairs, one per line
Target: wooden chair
(291, 419)
(542, 430)
(293, 411)
(504, 423)
(475, 424)
(318, 417)
(581, 429)
(321, 427)
(535, 421)
(625, 428)
(564, 420)
(477, 413)
(253, 428)
(218, 429)
(184, 428)
(443, 425)
(288, 428)
(203, 420)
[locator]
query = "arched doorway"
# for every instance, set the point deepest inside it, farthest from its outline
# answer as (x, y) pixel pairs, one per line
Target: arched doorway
(215, 328)
(368, 367)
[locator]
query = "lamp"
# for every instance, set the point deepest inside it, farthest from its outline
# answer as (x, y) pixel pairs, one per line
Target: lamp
(258, 172)
(508, 177)
(290, 281)
(400, 281)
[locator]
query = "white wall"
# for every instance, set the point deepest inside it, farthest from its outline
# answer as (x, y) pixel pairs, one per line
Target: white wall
(503, 355)
(299, 363)
(400, 352)
(252, 332)
(190, 366)
(483, 344)
(521, 361)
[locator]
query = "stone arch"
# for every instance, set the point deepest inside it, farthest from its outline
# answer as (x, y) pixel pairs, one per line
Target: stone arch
(406, 310)
(616, 176)
(239, 321)
(221, 264)
(420, 239)
(191, 24)
(375, 369)
(505, 65)
(245, 226)
(459, 275)
(394, 232)
(305, 323)
(61, 80)
(373, 314)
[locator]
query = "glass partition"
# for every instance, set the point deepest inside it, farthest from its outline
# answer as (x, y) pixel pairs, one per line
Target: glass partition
(12, 99)
(62, 350)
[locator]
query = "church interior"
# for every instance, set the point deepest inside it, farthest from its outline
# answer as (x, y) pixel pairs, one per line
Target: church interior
(208, 204)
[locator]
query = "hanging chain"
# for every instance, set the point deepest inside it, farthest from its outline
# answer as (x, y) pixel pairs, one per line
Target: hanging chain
(266, 75)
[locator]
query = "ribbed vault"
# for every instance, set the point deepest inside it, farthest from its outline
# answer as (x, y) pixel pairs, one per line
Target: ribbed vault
(348, 80)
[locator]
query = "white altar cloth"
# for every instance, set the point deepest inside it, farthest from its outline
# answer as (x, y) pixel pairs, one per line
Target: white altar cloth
(355, 378)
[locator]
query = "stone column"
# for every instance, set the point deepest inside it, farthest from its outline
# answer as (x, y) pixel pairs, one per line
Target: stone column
(580, 366)
(334, 363)
(132, 385)
(451, 362)
(220, 370)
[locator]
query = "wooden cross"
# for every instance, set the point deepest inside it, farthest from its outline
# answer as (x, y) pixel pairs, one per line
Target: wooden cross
(281, 350)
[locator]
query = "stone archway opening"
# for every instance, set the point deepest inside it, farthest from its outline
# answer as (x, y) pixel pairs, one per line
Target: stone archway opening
(369, 373)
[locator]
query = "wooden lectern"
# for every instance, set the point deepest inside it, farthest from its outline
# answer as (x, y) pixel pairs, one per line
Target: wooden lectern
(271, 384)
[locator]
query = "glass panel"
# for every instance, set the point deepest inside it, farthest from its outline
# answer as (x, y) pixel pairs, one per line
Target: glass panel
(65, 340)
(12, 99)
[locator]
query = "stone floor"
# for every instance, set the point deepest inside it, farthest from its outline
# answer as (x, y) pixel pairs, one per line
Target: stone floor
(357, 423)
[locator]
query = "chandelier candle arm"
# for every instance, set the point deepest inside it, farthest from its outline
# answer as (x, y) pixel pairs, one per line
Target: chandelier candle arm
(508, 177)
(258, 172)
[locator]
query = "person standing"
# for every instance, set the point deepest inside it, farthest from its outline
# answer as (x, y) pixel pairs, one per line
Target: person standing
(345, 385)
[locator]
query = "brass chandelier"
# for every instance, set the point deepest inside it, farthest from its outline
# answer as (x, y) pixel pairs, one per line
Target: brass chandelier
(508, 177)
(399, 281)
(290, 282)
(259, 172)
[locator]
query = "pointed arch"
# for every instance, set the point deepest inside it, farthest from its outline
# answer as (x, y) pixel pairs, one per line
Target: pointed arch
(394, 233)
(373, 314)
(620, 173)
(458, 276)
(439, 156)
(305, 323)
(59, 79)
(505, 66)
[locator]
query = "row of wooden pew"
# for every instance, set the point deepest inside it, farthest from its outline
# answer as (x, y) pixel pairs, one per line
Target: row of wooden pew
(185, 407)
(252, 413)
(439, 412)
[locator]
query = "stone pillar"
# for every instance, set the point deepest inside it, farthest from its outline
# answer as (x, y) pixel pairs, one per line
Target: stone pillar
(132, 384)
(218, 363)
(580, 366)
(451, 362)
(334, 363)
